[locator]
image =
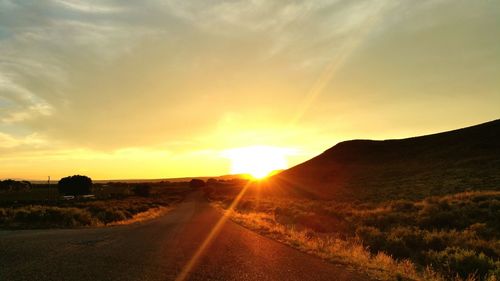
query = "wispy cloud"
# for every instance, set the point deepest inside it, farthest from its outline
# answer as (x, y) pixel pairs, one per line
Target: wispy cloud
(88, 6)
(32, 140)
(113, 74)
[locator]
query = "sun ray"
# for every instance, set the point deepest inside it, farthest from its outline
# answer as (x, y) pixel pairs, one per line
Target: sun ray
(211, 236)
(346, 50)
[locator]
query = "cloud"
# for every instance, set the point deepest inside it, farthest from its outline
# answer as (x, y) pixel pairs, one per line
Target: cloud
(19, 104)
(110, 75)
(77, 71)
(8, 141)
(87, 7)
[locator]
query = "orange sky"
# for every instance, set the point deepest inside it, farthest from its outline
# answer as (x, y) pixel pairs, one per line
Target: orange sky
(151, 89)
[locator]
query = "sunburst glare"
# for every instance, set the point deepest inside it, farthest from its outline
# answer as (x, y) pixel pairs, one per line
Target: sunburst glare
(257, 161)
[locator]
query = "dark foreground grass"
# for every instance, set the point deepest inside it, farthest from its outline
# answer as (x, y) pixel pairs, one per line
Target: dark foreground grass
(31, 214)
(453, 237)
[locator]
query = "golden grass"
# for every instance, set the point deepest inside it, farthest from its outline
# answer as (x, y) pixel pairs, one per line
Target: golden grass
(143, 216)
(350, 252)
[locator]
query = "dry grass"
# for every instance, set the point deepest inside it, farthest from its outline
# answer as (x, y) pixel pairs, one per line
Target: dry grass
(123, 209)
(283, 220)
(143, 216)
(351, 253)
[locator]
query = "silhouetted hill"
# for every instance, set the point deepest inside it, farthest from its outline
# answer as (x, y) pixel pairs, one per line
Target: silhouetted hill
(449, 162)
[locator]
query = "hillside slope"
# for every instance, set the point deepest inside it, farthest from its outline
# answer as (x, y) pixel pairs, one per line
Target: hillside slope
(412, 168)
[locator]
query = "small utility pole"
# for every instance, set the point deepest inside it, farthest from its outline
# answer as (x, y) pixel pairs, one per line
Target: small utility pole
(48, 188)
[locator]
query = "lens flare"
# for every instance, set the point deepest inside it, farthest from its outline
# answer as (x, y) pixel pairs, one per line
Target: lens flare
(257, 161)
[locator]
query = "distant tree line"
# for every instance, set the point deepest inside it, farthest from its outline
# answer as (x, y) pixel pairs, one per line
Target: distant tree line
(13, 185)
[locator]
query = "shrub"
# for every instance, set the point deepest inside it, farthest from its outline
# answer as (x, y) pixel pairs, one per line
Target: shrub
(3, 215)
(75, 185)
(12, 185)
(403, 206)
(196, 183)
(371, 237)
(212, 181)
(112, 215)
(454, 235)
(405, 242)
(35, 216)
(68, 217)
(143, 190)
(462, 262)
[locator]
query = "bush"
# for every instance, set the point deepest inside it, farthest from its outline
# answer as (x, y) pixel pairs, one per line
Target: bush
(112, 215)
(143, 190)
(212, 182)
(36, 216)
(371, 237)
(456, 234)
(462, 262)
(196, 183)
(68, 217)
(403, 206)
(3, 215)
(12, 185)
(75, 185)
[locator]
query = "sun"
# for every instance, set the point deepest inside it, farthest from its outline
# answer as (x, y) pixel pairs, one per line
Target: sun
(257, 161)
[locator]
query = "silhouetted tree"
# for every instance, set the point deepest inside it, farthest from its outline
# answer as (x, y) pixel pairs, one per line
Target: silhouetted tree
(13, 185)
(75, 185)
(212, 181)
(143, 190)
(196, 183)
(25, 185)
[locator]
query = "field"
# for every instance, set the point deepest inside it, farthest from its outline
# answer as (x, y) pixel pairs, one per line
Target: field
(445, 237)
(42, 207)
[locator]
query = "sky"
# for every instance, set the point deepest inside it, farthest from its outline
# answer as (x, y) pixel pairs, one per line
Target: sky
(156, 89)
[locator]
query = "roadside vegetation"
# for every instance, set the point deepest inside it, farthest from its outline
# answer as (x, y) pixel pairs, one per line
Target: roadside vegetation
(448, 237)
(43, 206)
